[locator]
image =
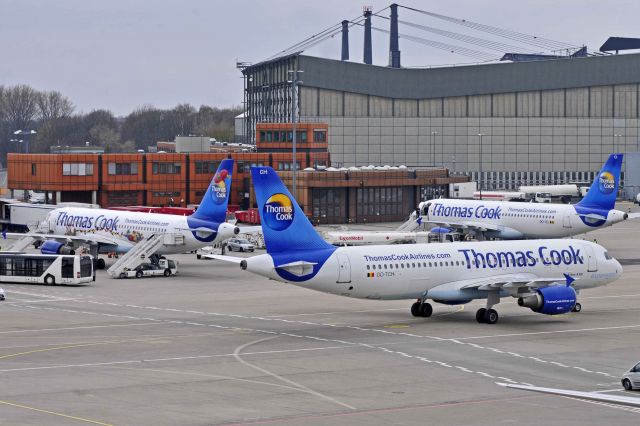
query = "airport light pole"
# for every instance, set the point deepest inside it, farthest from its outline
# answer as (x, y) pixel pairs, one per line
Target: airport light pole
(480, 135)
(615, 138)
(294, 107)
(433, 148)
(26, 134)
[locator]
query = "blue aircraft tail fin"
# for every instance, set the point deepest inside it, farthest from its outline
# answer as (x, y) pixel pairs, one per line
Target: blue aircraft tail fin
(284, 224)
(213, 207)
(604, 189)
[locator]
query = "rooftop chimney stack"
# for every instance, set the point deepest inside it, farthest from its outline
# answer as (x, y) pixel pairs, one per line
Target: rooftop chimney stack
(345, 40)
(367, 35)
(394, 45)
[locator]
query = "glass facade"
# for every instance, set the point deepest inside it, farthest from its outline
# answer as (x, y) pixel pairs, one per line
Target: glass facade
(380, 202)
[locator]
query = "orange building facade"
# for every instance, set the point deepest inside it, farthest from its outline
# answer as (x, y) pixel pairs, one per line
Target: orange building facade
(179, 179)
(157, 179)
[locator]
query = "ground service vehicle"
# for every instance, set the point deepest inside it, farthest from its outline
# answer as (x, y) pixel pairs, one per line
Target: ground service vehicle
(166, 267)
(631, 379)
(240, 244)
(46, 269)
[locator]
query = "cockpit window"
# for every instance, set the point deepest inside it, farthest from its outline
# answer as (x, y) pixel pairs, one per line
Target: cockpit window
(607, 255)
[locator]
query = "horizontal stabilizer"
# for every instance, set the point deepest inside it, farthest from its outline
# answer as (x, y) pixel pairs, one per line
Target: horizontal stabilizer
(230, 259)
(592, 216)
(299, 268)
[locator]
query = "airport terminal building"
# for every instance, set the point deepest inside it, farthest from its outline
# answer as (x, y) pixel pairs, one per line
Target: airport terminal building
(504, 124)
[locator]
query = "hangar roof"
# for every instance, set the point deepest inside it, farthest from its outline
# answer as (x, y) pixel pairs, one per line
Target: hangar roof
(424, 83)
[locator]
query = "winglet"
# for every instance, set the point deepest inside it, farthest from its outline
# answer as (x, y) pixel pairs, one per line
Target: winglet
(570, 279)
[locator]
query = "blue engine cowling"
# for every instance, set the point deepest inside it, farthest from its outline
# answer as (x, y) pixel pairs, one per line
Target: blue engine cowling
(55, 247)
(554, 300)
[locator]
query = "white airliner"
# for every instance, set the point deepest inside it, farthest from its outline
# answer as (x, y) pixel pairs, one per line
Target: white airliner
(543, 275)
(118, 231)
(509, 220)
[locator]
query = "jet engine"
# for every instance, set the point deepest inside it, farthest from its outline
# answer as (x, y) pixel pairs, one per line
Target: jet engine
(555, 300)
(55, 247)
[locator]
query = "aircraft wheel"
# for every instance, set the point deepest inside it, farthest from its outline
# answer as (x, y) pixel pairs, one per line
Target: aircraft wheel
(491, 316)
(577, 308)
(415, 309)
(480, 315)
(426, 310)
(627, 384)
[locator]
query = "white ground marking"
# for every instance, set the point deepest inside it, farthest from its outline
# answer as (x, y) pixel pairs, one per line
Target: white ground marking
(155, 320)
(300, 387)
(454, 340)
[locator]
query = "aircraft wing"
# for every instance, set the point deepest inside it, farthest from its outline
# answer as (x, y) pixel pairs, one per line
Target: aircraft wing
(512, 281)
(592, 396)
(634, 215)
(477, 226)
(83, 238)
(515, 284)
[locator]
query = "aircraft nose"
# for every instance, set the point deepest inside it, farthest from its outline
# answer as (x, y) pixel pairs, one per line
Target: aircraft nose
(618, 268)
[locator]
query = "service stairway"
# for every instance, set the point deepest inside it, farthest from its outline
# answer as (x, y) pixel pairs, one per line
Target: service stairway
(412, 224)
(143, 250)
(20, 244)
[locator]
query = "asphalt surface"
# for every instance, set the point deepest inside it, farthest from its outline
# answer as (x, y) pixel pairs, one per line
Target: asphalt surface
(216, 345)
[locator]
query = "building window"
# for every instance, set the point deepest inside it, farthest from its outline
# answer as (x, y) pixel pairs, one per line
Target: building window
(244, 167)
(33, 169)
(122, 168)
(166, 194)
(206, 167)
(166, 168)
(319, 136)
(377, 202)
(287, 166)
(77, 169)
(327, 204)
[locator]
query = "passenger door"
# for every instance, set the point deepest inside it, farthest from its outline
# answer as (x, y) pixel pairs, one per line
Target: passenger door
(344, 273)
(566, 220)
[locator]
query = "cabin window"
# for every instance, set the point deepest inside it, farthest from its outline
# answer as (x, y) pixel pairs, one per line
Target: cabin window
(368, 267)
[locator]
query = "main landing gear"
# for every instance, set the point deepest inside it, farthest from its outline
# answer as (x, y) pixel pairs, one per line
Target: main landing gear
(421, 308)
(488, 315)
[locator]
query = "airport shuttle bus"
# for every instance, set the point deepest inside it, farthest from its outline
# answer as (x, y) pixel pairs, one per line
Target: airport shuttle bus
(46, 269)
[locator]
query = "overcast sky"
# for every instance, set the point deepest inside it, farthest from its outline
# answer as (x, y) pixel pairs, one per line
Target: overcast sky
(121, 54)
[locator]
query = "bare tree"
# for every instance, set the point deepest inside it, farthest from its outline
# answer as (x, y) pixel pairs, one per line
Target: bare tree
(182, 117)
(2, 104)
(53, 105)
(20, 105)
